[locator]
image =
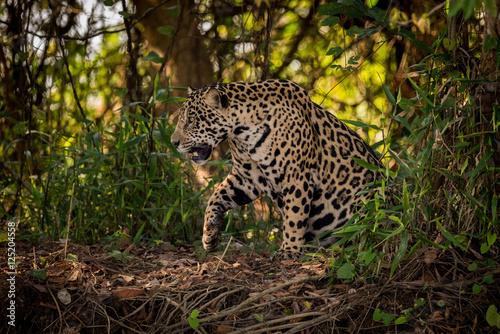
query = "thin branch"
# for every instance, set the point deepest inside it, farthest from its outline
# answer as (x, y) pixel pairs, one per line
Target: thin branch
(58, 311)
(133, 57)
(267, 324)
(69, 220)
(15, 176)
(427, 15)
(66, 64)
(242, 305)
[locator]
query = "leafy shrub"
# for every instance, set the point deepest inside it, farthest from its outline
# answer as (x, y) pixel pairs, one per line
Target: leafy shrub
(444, 191)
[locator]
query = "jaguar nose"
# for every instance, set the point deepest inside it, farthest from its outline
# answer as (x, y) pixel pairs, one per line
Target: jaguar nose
(175, 143)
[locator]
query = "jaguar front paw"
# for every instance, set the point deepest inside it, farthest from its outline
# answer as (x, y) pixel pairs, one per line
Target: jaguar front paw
(283, 254)
(211, 234)
(211, 230)
(210, 242)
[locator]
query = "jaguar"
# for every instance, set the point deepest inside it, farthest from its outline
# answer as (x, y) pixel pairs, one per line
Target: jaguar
(282, 145)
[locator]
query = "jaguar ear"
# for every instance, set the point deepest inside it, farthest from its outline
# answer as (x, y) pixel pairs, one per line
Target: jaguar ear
(216, 100)
(190, 90)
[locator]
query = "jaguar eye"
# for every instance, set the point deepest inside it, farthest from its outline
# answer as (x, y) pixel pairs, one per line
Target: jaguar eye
(189, 122)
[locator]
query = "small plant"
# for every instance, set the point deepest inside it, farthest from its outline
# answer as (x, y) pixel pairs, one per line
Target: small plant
(493, 317)
(387, 318)
(124, 257)
(409, 313)
(259, 317)
(193, 319)
(40, 274)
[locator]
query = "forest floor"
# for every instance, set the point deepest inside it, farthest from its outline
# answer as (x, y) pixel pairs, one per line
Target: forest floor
(171, 290)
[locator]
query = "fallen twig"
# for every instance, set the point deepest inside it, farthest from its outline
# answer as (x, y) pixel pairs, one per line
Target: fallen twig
(234, 309)
(266, 324)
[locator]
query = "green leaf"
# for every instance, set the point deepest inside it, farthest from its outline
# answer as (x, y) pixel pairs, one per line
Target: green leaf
(484, 248)
(41, 274)
(476, 288)
(489, 42)
(166, 30)
(134, 141)
(354, 60)
(335, 51)
(421, 93)
(138, 235)
(346, 271)
(174, 11)
(491, 238)
(154, 57)
(361, 124)
(400, 321)
(449, 44)
(467, 6)
(368, 32)
(480, 165)
(185, 215)
(162, 99)
(389, 95)
(353, 31)
(258, 317)
(464, 166)
(492, 317)
(449, 236)
(472, 267)
(365, 164)
(194, 322)
(72, 257)
(125, 14)
(140, 118)
(377, 315)
(403, 245)
(331, 8)
(20, 128)
(387, 317)
(330, 21)
(369, 257)
(87, 122)
(488, 279)
(420, 302)
(128, 105)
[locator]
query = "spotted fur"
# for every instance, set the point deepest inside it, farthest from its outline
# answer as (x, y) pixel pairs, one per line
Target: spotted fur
(283, 145)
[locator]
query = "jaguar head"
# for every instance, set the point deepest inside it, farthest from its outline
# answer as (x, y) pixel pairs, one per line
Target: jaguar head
(202, 123)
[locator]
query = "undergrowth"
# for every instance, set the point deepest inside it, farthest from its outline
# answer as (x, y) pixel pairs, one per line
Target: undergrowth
(107, 184)
(444, 190)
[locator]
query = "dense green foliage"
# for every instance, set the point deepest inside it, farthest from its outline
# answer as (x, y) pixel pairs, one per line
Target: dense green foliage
(85, 149)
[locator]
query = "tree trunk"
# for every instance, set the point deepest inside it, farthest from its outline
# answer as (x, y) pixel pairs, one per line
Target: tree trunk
(188, 62)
